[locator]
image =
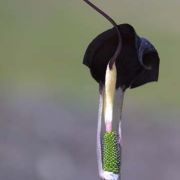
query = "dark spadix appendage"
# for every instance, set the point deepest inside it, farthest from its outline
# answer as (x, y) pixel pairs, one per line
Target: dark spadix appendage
(137, 63)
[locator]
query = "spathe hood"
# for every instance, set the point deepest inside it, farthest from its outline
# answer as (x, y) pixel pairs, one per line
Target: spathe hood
(137, 63)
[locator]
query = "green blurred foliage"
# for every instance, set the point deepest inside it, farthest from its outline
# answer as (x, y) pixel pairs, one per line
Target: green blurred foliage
(42, 45)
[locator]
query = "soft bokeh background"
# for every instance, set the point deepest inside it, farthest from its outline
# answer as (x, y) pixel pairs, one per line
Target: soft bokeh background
(48, 101)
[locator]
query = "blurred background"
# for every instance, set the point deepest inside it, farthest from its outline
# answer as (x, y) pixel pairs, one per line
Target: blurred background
(49, 102)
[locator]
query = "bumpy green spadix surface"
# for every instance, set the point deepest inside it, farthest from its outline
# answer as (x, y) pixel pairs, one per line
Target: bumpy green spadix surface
(111, 153)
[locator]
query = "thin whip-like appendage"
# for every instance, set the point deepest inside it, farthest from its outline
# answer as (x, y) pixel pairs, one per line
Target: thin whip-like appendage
(99, 127)
(118, 50)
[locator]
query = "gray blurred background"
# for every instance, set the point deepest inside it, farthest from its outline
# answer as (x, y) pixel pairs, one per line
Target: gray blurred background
(48, 101)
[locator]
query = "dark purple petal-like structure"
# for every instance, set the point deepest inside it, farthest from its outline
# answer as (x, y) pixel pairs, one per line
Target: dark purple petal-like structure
(137, 63)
